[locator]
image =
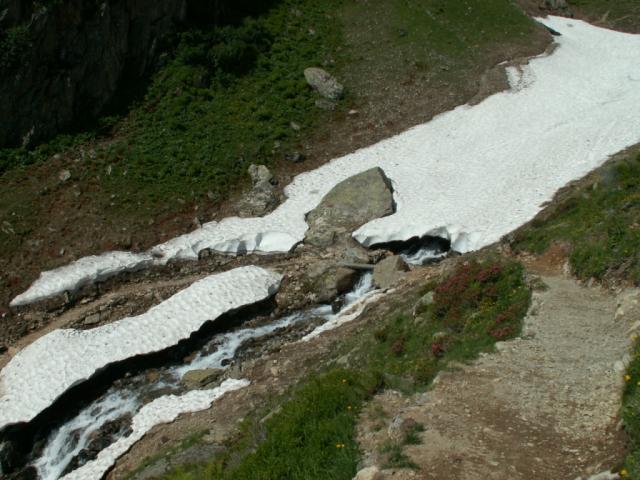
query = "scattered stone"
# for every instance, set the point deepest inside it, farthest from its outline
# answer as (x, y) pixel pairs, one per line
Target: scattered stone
(349, 205)
(64, 175)
(324, 83)
(425, 301)
(295, 126)
(199, 379)
(263, 197)
(369, 473)
(295, 157)
(91, 320)
(331, 282)
(389, 271)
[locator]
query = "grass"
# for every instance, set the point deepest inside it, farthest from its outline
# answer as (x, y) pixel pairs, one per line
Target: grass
(600, 222)
(631, 416)
(226, 97)
(313, 434)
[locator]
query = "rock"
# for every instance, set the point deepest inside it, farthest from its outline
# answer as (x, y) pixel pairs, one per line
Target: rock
(260, 174)
(369, 473)
(389, 271)
(324, 83)
(295, 126)
(295, 157)
(355, 255)
(263, 196)
(198, 379)
(78, 54)
(349, 205)
(332, 282)
(91, 320)
(64, 175)
(426, 300)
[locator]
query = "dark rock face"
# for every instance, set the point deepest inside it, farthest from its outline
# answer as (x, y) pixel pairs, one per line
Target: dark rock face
(71, 58)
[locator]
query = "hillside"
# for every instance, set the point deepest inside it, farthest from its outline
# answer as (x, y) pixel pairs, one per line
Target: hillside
(464, 303)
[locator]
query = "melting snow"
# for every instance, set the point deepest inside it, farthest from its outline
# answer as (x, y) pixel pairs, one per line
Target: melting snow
(470, 175)
(162, 410)
(44, 370)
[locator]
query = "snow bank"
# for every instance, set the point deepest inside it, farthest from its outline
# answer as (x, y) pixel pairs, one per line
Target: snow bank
(44, 370)
(162, 410)
(470, 175)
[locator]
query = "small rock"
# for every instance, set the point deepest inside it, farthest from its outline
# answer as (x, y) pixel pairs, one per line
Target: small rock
(389, 271)
(369, 473)
(64, 175)
(425, 301)
(263, 197)
(295, 126)
(295, 157)
(90, 320)
(198, 379)
(324, 83)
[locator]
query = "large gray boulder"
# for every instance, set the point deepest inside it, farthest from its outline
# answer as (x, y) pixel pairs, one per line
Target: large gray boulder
(324, 83)
(349, 205)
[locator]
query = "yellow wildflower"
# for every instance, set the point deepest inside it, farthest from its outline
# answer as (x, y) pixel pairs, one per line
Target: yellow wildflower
(349, 407)
(627, 378)
(623, 472)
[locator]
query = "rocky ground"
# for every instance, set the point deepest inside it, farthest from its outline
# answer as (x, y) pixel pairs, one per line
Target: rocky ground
(543, 406)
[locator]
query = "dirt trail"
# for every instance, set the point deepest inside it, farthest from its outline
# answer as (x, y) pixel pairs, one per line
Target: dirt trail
(543, 406)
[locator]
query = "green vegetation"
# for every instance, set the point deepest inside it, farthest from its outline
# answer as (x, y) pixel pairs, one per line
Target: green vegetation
(13, 44)
(601, 222)
(227, 96)
(225, 99)
(312, 435)
(631, 416)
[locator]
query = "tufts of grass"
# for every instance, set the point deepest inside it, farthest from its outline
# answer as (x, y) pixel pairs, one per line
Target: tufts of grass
(312, 436)
(631, 415)
(480, 303)
(601, 222)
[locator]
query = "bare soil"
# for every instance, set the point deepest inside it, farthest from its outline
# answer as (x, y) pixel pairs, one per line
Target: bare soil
(543, 406)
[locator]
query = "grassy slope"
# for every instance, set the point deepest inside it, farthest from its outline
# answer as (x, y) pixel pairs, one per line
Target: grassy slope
(313, 434)
(600, 221)
(185, 146)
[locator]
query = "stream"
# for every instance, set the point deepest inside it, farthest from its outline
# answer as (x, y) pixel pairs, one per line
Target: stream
(108, 417)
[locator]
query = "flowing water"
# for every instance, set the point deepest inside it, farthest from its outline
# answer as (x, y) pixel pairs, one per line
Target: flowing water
(106, 419)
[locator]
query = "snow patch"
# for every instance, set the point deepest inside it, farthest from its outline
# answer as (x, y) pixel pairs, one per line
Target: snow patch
(162, 410)
(470, 175)
(44, 370)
